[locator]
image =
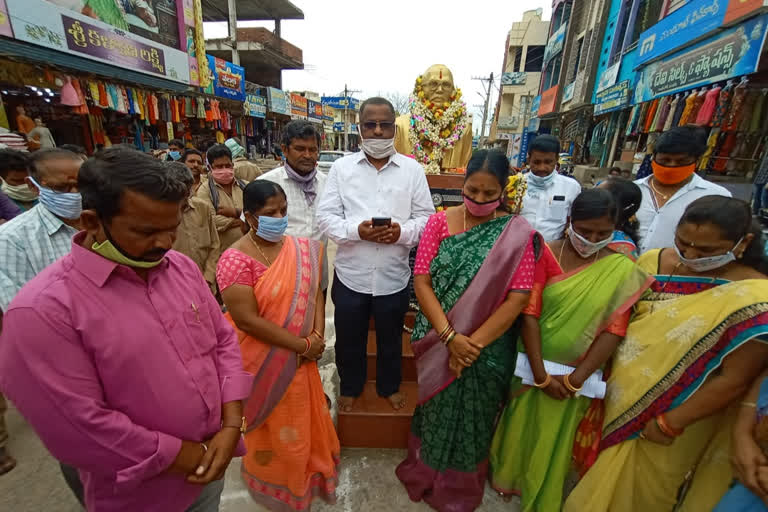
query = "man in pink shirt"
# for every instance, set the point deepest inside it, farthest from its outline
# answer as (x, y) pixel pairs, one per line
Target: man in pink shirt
(119, 356)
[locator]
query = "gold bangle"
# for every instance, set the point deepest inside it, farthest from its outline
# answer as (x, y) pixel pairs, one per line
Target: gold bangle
(544, 384)
(749, 404)
(567, 382)
(315, 331)
(445, 330)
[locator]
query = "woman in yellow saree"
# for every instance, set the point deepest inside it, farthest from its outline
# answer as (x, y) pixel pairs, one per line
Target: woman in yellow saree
(580, 305)
(691, 350)
(271, 287)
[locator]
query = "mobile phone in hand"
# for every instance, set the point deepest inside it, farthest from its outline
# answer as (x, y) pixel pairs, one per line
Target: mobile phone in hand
(381, 221)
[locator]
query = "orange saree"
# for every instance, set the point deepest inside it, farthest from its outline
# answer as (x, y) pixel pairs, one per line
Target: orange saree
(292, 447)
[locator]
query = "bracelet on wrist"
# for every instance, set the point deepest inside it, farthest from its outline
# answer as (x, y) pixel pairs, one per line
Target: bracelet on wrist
(445, 330)
(666, 428)
(571, 387)
(450, 338)
(315, 331)
(752, 405)
(542, 385)
(309, 346)
(448, 335)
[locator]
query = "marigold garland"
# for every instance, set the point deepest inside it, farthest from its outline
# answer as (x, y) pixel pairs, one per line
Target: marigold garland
(516, 188)
(435, 128)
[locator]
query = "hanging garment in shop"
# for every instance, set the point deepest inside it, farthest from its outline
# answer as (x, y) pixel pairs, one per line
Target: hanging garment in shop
(93, 91)
(723, 103)
(103, 97)
(202, 112)
(759, 111)
(69, 95)
(668, 122)
(725, 151)
(83, 108)
(679, 109)
(138, 138)
(632, 120)
(650, 116)
(707, 109)
(188, 110)
(711, 145)
(748, 110)
(111, 96)
(662, 114)
(689, 102)
(697, 104)
(736, 110)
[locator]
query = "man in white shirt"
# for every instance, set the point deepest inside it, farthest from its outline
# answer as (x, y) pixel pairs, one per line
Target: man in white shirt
(672, 186)
(372, 269)
(548, 199)
(302, 183)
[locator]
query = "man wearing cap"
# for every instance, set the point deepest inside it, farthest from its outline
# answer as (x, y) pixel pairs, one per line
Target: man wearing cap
(244, 170)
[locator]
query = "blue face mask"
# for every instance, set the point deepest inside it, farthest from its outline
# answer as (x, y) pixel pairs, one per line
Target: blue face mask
(540, 181)
(67, 205)
(175, 155)
(272, 229)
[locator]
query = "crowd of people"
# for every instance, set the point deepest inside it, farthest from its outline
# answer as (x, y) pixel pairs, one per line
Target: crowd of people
(586, 350)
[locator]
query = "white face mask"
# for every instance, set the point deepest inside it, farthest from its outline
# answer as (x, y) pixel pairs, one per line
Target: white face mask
(584, 247)
(710, 262)
(378, 148)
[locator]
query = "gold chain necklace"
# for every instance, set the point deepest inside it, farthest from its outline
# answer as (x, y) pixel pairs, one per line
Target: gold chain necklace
(656, 191)
(269, 263)
(465, 218)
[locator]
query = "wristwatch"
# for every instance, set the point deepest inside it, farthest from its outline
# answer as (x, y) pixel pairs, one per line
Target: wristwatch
(240, 427)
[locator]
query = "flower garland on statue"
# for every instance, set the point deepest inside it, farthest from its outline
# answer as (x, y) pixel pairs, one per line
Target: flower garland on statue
(435, 128)
(516, 188)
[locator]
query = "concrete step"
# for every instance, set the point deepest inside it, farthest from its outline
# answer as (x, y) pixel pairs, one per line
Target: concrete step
(409, 362)
(373, 423)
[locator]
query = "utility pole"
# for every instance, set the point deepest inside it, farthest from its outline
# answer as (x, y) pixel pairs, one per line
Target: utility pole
(487, 92)
(347, 92)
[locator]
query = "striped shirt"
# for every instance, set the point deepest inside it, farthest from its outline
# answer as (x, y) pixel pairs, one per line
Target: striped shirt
(28, 244)
(13, 141)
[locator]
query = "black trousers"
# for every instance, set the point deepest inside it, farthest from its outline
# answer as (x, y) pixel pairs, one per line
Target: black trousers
(352, 315)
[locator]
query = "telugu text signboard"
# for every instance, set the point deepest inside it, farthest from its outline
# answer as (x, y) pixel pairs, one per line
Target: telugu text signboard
(555, 43)
(46, 24)
(227, 80)
(298, 106)
(731, 53)
(278, 101)
(255, 106)
(516, 78)
(341, 102)
(612, 98)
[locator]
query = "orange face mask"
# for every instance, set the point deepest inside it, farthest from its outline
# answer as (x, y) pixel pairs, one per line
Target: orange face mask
(672, 175)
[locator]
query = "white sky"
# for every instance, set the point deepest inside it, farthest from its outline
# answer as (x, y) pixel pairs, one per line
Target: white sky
(381, 47)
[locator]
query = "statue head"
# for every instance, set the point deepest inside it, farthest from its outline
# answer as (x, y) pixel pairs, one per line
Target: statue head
(437, 83)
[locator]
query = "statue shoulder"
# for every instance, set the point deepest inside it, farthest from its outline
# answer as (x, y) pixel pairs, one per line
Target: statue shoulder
(403, 120)
(403, 125)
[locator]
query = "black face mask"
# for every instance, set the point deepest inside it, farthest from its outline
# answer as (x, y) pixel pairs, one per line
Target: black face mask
(150, 256)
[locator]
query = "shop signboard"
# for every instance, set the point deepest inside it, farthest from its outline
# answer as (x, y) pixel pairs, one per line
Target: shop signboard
(731, 53)
(341, 102)
(523, 147)
(60, 28)
(555, 43)
(612, 98)
(314, 110)
(5, 21)
(338, 127)
(739, 9)
(535, 105)
(692, 21)
(328, 113)
(227, 79)
(548, 100)
(255, 106)
(533, 125)
(608, 78)
(568, 92)
(298, 106)
(517, 78)
(278, 101)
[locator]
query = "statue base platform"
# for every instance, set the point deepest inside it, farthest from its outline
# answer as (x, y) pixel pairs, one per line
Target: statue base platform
(445, 189)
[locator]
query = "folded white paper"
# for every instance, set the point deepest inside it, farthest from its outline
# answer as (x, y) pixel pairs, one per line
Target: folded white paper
(594, 387)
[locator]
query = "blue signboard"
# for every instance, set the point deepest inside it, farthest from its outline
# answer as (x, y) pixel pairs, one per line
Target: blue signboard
(278, 101)
(523, 148)
(341, 102)
(338, 127)
(255, 106)
(731, 53)
(612, 98)
(228, 79)
(535, 104)
(692, 21)
(555, 43)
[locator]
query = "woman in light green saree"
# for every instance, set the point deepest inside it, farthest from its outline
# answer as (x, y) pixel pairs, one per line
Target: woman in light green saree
(578, 314)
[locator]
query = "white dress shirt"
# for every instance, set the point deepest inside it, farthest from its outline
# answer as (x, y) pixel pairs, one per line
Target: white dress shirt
(547, 209)
(356, 192)
(658, 226)
(301, 215)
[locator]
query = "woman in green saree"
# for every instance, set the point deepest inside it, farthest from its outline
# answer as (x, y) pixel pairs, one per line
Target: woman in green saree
(474, 271)
(578, 314)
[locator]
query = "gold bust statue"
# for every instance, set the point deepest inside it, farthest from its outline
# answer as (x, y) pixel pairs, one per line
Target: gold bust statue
(437, 131)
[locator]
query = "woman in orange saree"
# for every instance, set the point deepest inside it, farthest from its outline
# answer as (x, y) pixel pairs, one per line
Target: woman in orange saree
(270, 284)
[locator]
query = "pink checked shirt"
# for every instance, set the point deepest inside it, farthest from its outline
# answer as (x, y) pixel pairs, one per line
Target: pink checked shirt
(113, 372)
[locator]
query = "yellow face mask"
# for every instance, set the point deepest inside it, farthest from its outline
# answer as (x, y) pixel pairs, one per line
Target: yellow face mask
(107, 249)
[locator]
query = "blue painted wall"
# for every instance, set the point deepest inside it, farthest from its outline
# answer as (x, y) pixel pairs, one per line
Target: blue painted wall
(628, 62)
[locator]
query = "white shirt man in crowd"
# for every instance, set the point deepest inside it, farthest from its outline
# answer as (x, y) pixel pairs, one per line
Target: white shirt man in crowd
(672, 186)
(302, 182)
(372, 269)
(548, 199)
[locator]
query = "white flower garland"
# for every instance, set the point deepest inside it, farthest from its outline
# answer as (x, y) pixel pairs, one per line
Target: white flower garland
(436, 127)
